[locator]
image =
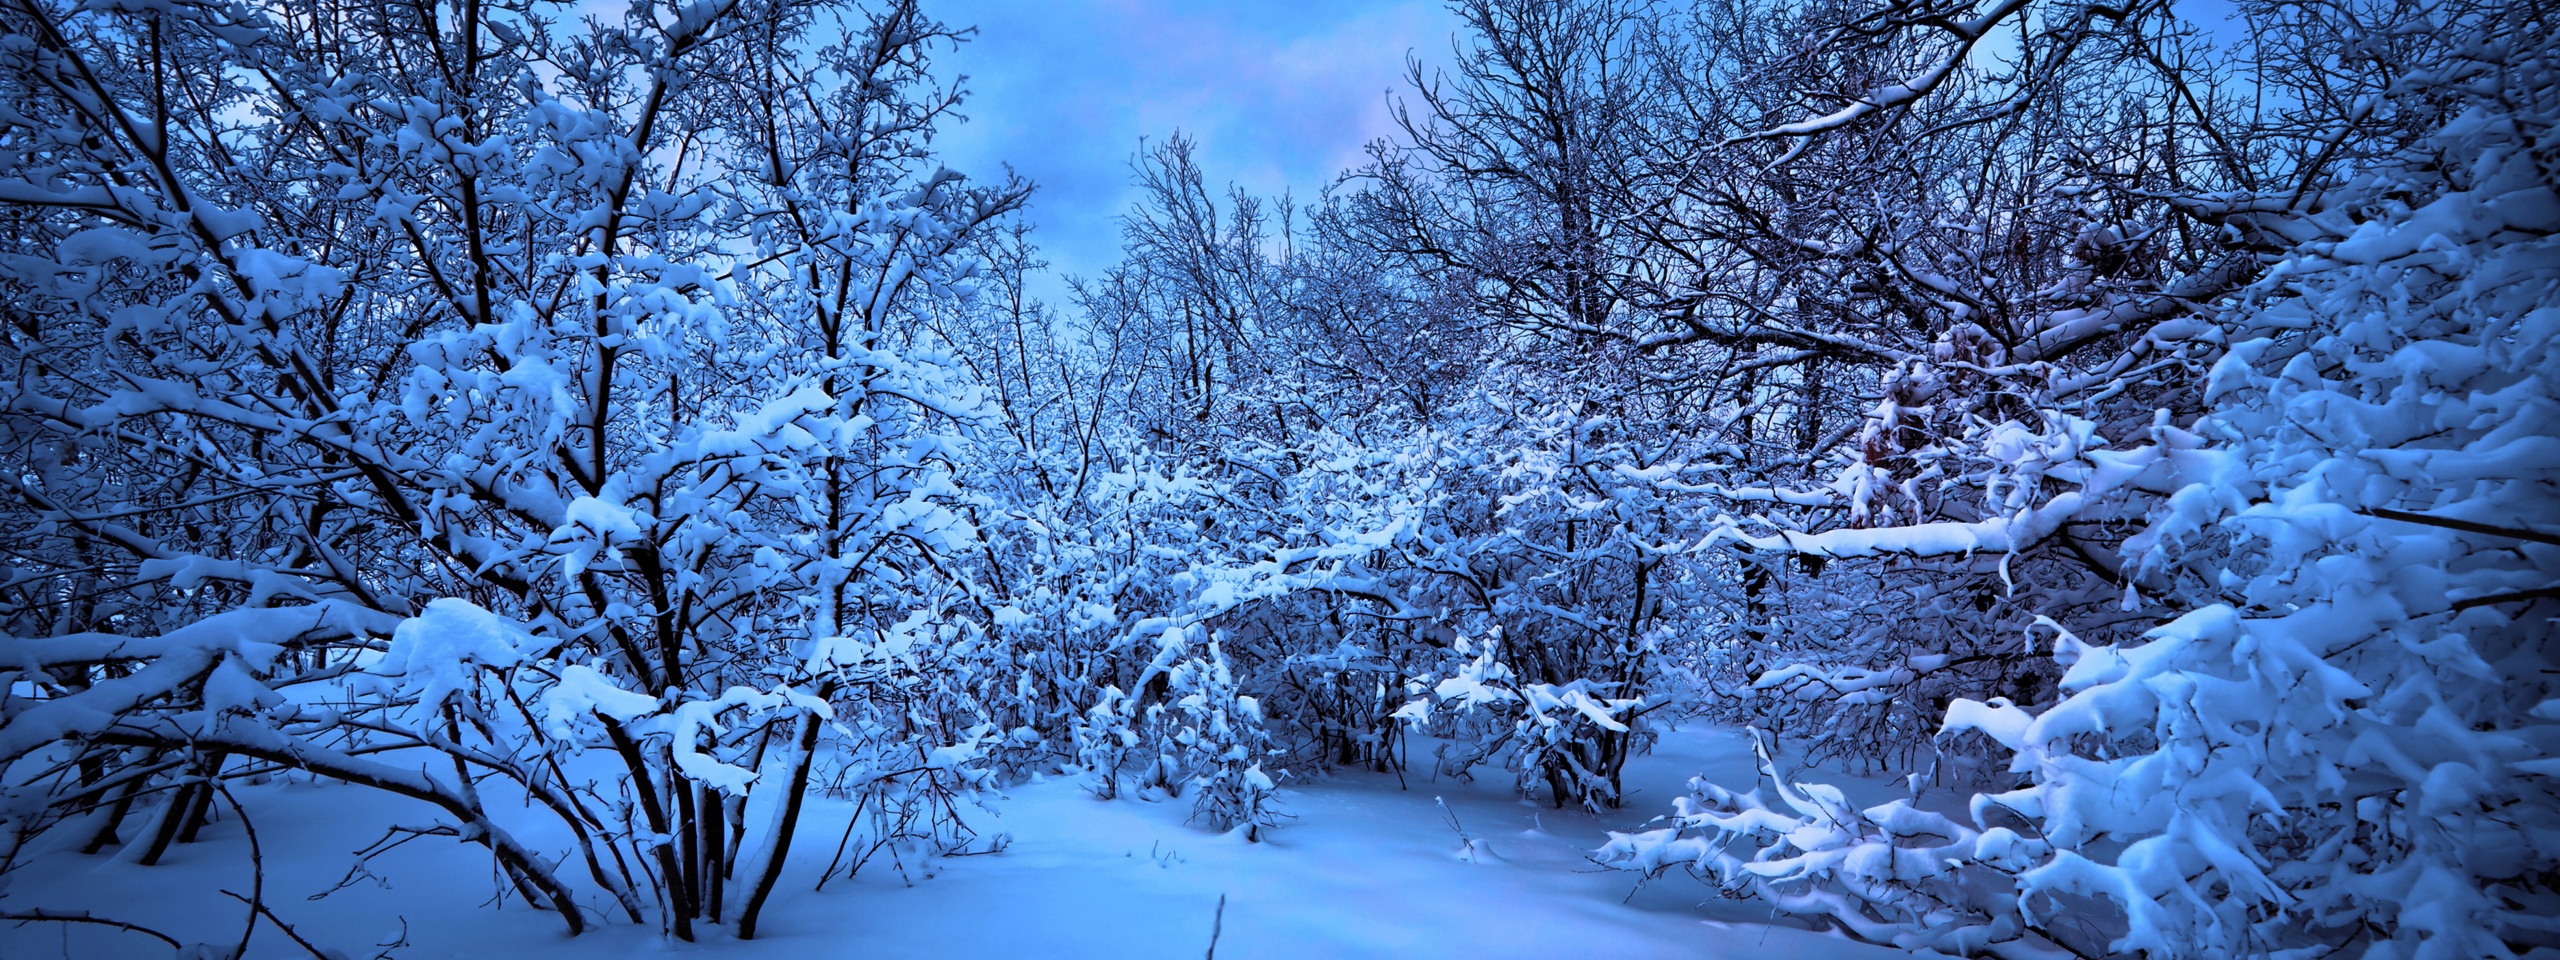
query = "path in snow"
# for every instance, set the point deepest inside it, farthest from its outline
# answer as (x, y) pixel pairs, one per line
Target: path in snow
(1366, 870)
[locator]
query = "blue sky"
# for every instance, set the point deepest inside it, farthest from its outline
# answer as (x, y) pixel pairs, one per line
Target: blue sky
(1281, 95)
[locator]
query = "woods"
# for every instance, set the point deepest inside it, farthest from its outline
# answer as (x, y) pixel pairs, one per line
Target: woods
(2129, 432)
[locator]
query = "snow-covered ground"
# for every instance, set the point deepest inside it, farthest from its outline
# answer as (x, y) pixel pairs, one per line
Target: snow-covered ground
(1367, 869)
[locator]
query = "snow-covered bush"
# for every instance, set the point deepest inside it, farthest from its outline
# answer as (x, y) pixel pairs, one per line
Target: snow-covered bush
(2340, 736)
(1214, 737)
(1544, 732)
(522, 422)
(622, 432)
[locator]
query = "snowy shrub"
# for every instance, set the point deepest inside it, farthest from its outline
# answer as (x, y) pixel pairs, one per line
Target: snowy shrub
(1895, 873)
(2339, 738)
(622, 431)
(1190, 732)
(493, 417)
(1217, 742)
(1541, 730)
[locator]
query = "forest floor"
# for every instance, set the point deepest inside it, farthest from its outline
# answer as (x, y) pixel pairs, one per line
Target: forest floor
(1369, 867)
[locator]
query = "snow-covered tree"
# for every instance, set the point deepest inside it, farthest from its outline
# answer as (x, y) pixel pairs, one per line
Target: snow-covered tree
(461, 382)
(2332, 734)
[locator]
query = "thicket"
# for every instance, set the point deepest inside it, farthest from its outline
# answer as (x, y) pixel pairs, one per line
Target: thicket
(2134, 431)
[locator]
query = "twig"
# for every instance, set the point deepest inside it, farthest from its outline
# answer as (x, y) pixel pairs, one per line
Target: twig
(395, 943)
(1451, 816)
(1217, 925)
(850, 823)
(259, 908)
(2466, 526)
(2546, 593)
(48, 916)
(257, 874)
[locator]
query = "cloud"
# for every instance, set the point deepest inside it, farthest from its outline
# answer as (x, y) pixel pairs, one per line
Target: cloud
(1280, 96)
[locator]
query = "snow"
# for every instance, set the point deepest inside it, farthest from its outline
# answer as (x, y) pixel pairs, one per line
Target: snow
(1367, 869)
(435, 651)
(582, 691)
(622, 476)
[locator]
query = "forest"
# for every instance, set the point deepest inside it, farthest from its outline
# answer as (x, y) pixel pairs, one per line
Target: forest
(2097, 467)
